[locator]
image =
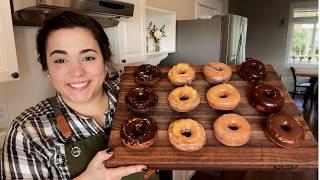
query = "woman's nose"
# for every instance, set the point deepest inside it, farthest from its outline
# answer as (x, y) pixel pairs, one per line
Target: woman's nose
(77, 69)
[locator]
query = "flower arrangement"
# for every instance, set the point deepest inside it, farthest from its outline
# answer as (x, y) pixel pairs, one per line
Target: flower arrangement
(156, 34)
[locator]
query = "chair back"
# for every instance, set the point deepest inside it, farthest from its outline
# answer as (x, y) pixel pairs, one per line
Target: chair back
(293, 74)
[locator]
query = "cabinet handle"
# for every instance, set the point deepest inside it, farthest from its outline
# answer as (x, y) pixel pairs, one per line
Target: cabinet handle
(123, 61)
(15, 75)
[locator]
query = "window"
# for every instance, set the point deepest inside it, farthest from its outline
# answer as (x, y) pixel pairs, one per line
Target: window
(303, 36)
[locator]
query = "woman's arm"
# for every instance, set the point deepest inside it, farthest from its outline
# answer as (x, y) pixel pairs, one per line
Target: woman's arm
(18, 160)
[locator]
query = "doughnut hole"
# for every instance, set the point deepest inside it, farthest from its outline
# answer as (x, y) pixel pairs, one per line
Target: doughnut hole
(223, 94)
(186, 132)
(269, 93)
(233, 126)
(182, 71)
(286, 127)
(183, 97)
(218, 68)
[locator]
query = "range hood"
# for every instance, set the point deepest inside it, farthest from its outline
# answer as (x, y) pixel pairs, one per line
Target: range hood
(32, 12)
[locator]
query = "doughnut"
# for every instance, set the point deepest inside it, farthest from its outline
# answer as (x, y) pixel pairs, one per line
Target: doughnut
(252, 70)
(181, 74)
(232, 129)
(141, 100)
(138, 133)
(223, 97)
(183, 99)
(266, 98)
(284, 130)
(186, 135)
(147, 74)
(217, 73)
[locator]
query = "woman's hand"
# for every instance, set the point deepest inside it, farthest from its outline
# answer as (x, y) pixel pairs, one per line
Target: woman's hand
(96, 169)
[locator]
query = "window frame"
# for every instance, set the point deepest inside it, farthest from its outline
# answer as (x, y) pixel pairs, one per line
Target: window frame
(300, 20)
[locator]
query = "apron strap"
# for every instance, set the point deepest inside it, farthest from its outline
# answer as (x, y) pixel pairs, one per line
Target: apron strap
(62, 123)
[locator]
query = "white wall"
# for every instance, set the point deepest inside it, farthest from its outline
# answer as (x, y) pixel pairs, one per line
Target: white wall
(33, 85)
(185, 9)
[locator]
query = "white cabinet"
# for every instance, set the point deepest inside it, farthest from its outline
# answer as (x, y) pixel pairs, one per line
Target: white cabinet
(131, 36)
(205, 9)
(128, 40)
(8, 56)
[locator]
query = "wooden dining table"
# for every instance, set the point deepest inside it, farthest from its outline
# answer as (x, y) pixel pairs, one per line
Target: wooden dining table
(307, 72)
(258, 154)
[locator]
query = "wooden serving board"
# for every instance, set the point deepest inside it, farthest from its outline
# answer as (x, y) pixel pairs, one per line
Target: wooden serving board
(258, 153)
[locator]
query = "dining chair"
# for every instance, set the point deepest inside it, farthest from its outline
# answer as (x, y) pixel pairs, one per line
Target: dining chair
(298, 84)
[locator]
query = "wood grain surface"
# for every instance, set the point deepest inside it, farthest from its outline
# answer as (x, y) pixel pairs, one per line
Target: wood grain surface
(259, 153)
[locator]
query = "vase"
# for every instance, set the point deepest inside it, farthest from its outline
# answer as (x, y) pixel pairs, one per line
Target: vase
(156, 45)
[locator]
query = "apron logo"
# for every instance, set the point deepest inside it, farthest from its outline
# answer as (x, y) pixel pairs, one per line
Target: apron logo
(75, 151)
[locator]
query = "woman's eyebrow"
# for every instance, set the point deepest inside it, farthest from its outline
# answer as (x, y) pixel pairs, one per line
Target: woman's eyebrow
(58, 52)
(87, 50)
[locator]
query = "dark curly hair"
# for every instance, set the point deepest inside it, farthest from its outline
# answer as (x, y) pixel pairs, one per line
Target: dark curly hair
(70, 19)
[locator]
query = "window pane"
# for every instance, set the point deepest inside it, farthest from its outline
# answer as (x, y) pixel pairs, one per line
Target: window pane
(302, 43)
(305, 13)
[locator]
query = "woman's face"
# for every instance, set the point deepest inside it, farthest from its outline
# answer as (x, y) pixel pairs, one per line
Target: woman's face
(75, 64)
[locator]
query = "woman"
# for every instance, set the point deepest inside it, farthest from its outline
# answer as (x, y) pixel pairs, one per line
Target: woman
(65, 136)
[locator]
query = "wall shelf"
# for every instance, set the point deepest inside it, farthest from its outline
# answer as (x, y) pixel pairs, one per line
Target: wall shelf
(161, 17)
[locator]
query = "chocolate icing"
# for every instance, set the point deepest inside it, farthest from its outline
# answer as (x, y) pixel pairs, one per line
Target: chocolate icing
(138, 130)
(283, 130)
(141, 100)
(252, 70)
(147, 74)
(266, 98)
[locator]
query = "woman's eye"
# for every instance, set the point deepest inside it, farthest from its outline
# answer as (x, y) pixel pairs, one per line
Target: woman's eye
(59, 61)
(89, 58)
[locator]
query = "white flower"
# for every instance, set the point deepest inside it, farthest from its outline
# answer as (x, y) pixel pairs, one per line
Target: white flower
(148, 34)
(158, 34)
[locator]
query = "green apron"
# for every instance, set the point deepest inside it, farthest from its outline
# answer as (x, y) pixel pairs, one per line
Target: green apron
(80, 153)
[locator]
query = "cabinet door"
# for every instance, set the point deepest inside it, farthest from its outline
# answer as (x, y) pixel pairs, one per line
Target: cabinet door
(8, 55)
(132, 37)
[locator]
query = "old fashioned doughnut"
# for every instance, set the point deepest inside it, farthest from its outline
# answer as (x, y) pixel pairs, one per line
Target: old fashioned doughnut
(232, 130)
(181, 74)
(217, 73)
(266, 98)
(138, 133)
(252, 70)
(186, 135)
(223, 97)
(147, 74)
(141, 100)
(183, 99)
(284, 130)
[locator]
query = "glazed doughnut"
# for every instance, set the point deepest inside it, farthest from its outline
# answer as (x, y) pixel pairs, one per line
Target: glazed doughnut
(141, 100)
(232, 130)
(223, 97)
(181, 74)
(186, 135)
(284, 130)
(252, 70)
(183, 99)
(266, 98)
(217, 73)
(147, 74)
(138, 133)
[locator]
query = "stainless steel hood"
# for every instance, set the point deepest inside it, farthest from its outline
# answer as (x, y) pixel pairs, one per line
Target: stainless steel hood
(32, 12)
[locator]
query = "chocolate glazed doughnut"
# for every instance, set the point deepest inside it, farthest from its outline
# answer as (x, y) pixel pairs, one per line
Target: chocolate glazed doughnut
(141, 100)
(138, 133)
(147, 74)
(284, 130)
(252, 70)
(266, 98)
